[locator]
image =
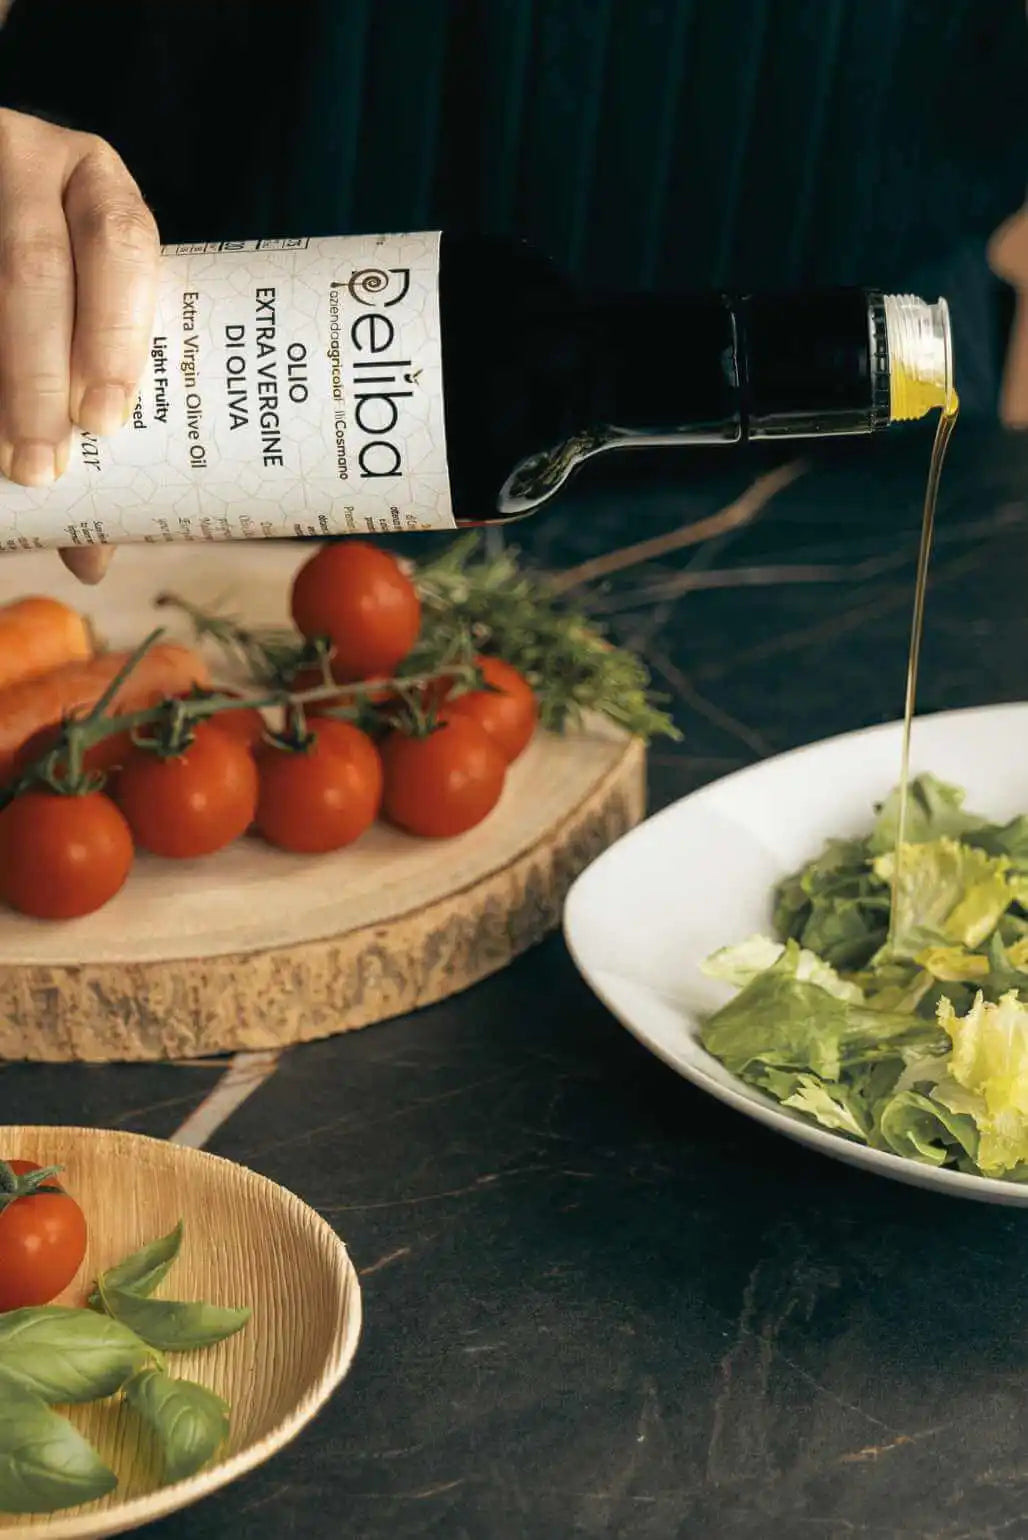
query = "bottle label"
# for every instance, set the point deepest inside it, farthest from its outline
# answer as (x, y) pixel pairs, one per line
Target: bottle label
(293, 387)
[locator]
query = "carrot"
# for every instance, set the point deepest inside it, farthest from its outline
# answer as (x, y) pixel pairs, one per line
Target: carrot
(29, 708)
(38, 635)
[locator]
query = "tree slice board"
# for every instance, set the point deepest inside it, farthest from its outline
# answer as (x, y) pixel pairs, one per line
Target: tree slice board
(255, 948)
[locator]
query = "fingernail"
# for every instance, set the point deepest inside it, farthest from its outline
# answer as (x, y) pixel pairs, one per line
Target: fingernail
(104, 409)
(30, 463)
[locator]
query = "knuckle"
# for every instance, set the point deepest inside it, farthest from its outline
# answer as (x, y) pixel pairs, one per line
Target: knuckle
(122, 228)
(34, 260)
(34, 403)
(16, 126)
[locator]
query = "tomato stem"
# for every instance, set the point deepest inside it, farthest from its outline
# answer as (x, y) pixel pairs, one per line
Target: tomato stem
(14, 1186)
(62, 769)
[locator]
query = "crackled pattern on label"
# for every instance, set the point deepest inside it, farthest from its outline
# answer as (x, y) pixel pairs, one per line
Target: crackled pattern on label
(293, 387)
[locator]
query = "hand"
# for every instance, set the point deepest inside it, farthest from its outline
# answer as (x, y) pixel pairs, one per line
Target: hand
(79, 259)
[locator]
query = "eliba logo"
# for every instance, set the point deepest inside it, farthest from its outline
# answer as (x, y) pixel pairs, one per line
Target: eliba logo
(377, 380)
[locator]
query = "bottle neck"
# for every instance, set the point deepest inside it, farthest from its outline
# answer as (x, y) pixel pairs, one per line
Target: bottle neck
(720, 368)
(717, 369)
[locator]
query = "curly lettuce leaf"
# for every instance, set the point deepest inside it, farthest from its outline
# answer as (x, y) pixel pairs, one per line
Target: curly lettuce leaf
(780, 1021)
(835, 1106)
(988, 1078)
(947, 892)
(740, 965)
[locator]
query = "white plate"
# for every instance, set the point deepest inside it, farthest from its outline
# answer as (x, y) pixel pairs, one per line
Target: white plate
(700, 875)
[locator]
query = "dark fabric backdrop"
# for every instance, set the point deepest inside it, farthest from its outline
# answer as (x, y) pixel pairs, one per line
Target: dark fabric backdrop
(665, 143)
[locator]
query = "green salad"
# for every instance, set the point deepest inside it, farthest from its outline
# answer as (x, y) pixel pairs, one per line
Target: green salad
(908, 1033)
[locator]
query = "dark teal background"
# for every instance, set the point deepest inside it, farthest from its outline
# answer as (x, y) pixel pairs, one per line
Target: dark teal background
(665, 143)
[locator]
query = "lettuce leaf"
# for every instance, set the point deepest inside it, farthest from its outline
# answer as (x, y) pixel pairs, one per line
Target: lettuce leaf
(935, 811)
(740, 965)
(994, 971)
(896, 984)
(835, 906)
(914, 1125)
(1009, 839)
(780, 1021)
(835, 1106)
(947, 892)
(954, 964)
(988, 1077)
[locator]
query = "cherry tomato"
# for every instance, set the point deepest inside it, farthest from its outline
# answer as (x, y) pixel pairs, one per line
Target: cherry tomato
(322, 797)
(359, 597)
(42, 1243)
(508, 711)
(444, 783)
(193, 803)
(61, 857)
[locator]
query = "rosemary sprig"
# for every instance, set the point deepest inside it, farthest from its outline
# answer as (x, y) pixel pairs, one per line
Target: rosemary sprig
(473, 603)
(270, 655)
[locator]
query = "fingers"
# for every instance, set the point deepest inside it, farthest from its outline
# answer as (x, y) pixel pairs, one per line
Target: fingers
(116, 252)
(87, 562)
(36, 309)
(79, 258)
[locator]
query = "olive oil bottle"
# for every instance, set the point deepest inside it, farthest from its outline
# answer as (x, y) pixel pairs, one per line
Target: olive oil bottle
(381, 384)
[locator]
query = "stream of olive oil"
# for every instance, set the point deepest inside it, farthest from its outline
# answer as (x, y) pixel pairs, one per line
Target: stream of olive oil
(946, 424)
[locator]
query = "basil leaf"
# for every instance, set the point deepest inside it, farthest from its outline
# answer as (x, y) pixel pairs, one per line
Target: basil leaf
(45, 1463)
(188, 1421)
(67, 1355)
(144, 1269)
(173, 1325)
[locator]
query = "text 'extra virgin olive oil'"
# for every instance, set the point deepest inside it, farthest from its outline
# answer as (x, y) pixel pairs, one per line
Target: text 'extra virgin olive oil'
(380, 384)
(922, 382)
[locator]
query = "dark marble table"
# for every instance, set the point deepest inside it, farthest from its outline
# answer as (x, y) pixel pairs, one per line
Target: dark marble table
(598, 1303)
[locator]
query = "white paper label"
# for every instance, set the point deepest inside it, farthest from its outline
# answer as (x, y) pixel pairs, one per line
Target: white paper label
(294, 387)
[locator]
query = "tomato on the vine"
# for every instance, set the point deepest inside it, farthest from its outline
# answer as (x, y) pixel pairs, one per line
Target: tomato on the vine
(193, 803)
(361, 599)
(508, 710)
(320, 796)
(42, 1237)
(443, 782)
(62, 856)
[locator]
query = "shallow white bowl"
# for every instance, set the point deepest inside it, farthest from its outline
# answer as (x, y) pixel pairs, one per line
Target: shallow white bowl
(700, 875)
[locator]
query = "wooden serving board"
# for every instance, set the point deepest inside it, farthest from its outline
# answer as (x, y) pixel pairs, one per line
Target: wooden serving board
(255, 948)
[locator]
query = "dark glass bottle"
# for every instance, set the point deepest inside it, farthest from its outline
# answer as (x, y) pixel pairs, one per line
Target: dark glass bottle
(538, 377)
(380, 384)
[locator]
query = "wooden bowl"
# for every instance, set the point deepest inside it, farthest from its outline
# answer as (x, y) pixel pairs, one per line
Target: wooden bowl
(247, 1242)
